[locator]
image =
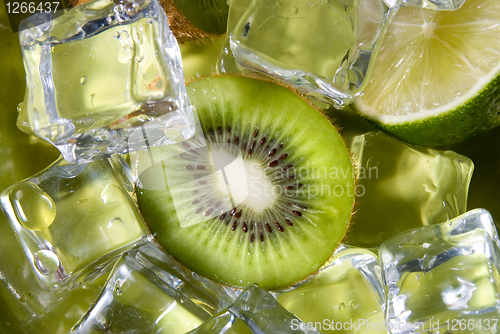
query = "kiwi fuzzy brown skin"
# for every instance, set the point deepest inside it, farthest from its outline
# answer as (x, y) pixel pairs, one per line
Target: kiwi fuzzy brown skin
(208, 15)
(307, 246)
(181, 26)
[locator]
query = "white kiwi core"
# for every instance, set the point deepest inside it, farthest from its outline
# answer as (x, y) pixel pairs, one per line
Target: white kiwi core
(245, 180)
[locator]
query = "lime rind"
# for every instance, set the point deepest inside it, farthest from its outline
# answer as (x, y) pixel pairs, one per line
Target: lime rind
(477, 116)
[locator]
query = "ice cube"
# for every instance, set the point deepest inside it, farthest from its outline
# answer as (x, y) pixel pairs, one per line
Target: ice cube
(105, 78)
(226, 62)
(323, 48)
(255, 311)
(444, 277)
(27, 308)
(73, 220)
(402, 186)
(149, 292)
(435, 5)
(347, 295)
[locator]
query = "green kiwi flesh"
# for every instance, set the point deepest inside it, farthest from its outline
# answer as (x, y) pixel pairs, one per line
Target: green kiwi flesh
(272, 238)
(207, 15)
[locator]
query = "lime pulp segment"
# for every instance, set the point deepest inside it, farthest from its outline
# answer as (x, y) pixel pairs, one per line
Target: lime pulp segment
(436, 79)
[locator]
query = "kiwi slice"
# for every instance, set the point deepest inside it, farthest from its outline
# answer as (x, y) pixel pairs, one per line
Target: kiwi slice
(283, 203)
(196, 19)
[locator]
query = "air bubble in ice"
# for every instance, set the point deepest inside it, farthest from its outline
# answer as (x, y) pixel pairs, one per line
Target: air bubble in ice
(46, 262)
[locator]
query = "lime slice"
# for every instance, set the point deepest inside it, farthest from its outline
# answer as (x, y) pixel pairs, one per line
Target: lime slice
(436, 80)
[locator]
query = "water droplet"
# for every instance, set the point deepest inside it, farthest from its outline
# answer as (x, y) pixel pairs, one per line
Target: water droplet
(92, 99)
(341, 307)
(426, 245)
(138, 59)
(19, 107)
(351, 304)
(46, 262)
(7, 323)
(117, 34)
(118, 291)
(22, 299)
(82, 201)
(34, 208)
(150, 21)
(125, 38)
(83, 80)
(112, 194)
(131, 8)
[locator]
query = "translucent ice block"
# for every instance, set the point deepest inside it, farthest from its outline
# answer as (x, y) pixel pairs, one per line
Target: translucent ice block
(402, 186)
(255, 311)
(73, 220)
(226, 62)
(444, 277)
(147, 292)
(27, 308)
(436, 5)
(105, 78)
(347, 295)
(324, 48)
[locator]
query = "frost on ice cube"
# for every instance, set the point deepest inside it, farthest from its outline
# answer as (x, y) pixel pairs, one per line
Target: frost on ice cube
(346, 295)
(444, 277)
(254, 311)
(323, 48)
(73, 220)
(148, 292)
(105, 78)
(402, 186)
